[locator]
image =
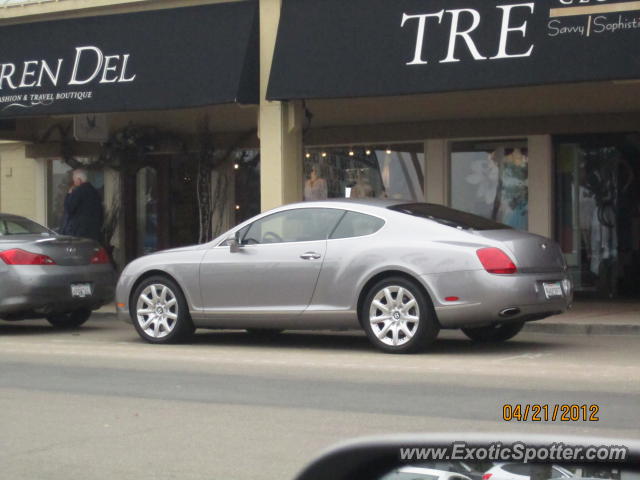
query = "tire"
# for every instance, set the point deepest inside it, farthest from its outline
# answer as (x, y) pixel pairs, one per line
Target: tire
(70, 319)
(159, 311)
(494, 333)
(398, 329)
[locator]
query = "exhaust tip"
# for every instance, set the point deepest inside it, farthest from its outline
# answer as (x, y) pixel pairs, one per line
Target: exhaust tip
(509, 312)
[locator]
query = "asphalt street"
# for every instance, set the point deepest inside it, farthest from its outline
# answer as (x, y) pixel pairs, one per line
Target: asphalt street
(98, 403)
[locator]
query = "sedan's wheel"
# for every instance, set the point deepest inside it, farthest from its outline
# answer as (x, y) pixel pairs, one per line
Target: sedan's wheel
(159, 311)
(69, 320)
(398, 317)
(494, 333)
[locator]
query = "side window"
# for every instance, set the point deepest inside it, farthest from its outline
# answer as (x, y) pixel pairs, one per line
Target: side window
(559, 473)
(300, 225)
(357, 225)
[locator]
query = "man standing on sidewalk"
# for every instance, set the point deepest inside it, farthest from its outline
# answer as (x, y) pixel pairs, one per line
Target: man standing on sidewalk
(83, 211)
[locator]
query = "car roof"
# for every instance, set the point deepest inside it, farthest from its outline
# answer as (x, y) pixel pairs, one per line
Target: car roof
(346, 202)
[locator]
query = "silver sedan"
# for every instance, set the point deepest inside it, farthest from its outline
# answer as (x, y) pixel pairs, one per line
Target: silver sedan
(44, 275)
(400, 271)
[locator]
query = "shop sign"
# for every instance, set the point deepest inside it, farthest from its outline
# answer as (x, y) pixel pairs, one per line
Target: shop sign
(162, 59)
(340, 48)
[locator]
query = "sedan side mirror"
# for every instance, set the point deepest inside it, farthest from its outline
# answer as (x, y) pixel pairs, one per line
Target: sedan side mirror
(444, 457)
(234, 243)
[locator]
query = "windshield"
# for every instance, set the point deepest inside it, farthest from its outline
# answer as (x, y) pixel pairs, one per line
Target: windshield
(449, 216)
(20, 226)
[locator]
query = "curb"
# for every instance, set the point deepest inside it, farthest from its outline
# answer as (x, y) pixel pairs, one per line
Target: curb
(583, 328)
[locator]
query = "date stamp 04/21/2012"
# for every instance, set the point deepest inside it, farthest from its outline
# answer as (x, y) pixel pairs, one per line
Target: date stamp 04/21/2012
(534, 412)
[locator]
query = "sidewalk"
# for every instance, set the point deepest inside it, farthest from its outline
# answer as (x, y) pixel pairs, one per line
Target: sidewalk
(587, 317)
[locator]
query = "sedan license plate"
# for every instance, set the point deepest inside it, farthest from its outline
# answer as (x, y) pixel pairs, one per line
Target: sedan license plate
(81, 290)
(553, 290)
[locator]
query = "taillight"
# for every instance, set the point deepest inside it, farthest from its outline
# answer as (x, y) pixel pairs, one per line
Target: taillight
(486, 476)
(100, 257)
(496, 261)
(20, 257)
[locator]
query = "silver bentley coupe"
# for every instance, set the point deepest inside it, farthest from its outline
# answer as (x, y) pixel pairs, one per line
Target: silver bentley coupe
(46, 275)
(400, 271)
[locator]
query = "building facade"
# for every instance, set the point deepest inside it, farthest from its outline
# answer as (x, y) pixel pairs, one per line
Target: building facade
(524, 112)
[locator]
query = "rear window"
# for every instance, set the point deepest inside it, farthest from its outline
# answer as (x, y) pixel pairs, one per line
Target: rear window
(20, 226)
(449, 216)
(357, 225)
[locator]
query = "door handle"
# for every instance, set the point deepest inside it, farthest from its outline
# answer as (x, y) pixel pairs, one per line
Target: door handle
(310, 256)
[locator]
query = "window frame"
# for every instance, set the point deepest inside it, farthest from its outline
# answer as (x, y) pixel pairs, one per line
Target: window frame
(248, 226)
(5, 231)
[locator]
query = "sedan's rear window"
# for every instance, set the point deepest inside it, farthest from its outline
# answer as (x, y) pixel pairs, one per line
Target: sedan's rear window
(449, 216)
(20, 226)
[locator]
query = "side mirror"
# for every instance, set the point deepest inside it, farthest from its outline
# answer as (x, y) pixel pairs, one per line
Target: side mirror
(234, 243)
(474, 456)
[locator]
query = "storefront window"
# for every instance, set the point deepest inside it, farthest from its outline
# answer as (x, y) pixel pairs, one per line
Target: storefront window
(490, 179)
(598, 212)
(59, 181)
(247, 184)
(394, 171)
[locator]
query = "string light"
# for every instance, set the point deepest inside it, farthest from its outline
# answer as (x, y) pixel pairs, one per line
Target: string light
(351, 153)
(307, 155)
(368, 152)
(324, 154)
(237, 207)
(236, 166)
(388, 151)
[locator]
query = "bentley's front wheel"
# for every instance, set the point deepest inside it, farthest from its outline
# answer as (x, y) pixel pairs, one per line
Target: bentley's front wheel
(159, 311)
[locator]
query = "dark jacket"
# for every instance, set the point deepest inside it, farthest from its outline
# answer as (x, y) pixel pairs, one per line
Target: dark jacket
(83, 213)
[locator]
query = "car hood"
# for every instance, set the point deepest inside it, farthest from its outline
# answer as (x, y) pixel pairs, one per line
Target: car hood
(176, 250)
(158, 257)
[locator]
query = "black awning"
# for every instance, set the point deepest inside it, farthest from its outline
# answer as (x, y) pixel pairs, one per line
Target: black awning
(352, 48)
(161, 59)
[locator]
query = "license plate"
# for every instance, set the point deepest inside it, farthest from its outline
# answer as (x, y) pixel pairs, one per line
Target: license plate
(81, 290)
(552, 290)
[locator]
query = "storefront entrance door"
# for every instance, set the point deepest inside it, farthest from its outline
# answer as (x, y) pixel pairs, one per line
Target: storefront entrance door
(146, 219)
(598, 212)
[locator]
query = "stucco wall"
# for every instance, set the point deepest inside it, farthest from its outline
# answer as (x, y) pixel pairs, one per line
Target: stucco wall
(21, 183)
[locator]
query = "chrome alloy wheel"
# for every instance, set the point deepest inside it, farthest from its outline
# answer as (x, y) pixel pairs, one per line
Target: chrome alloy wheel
(157, 311)
(394, 315)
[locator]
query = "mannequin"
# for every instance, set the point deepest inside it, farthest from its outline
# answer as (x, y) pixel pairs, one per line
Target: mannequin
(362, 188)
(315, 188)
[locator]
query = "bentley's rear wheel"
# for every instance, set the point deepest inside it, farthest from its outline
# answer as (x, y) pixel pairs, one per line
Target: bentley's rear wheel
(398, 317)
(494, 333)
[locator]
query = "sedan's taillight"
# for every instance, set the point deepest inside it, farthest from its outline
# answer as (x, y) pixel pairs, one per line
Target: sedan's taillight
(496, 261)
(101, 257)
(486, 476)
(16, 256)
